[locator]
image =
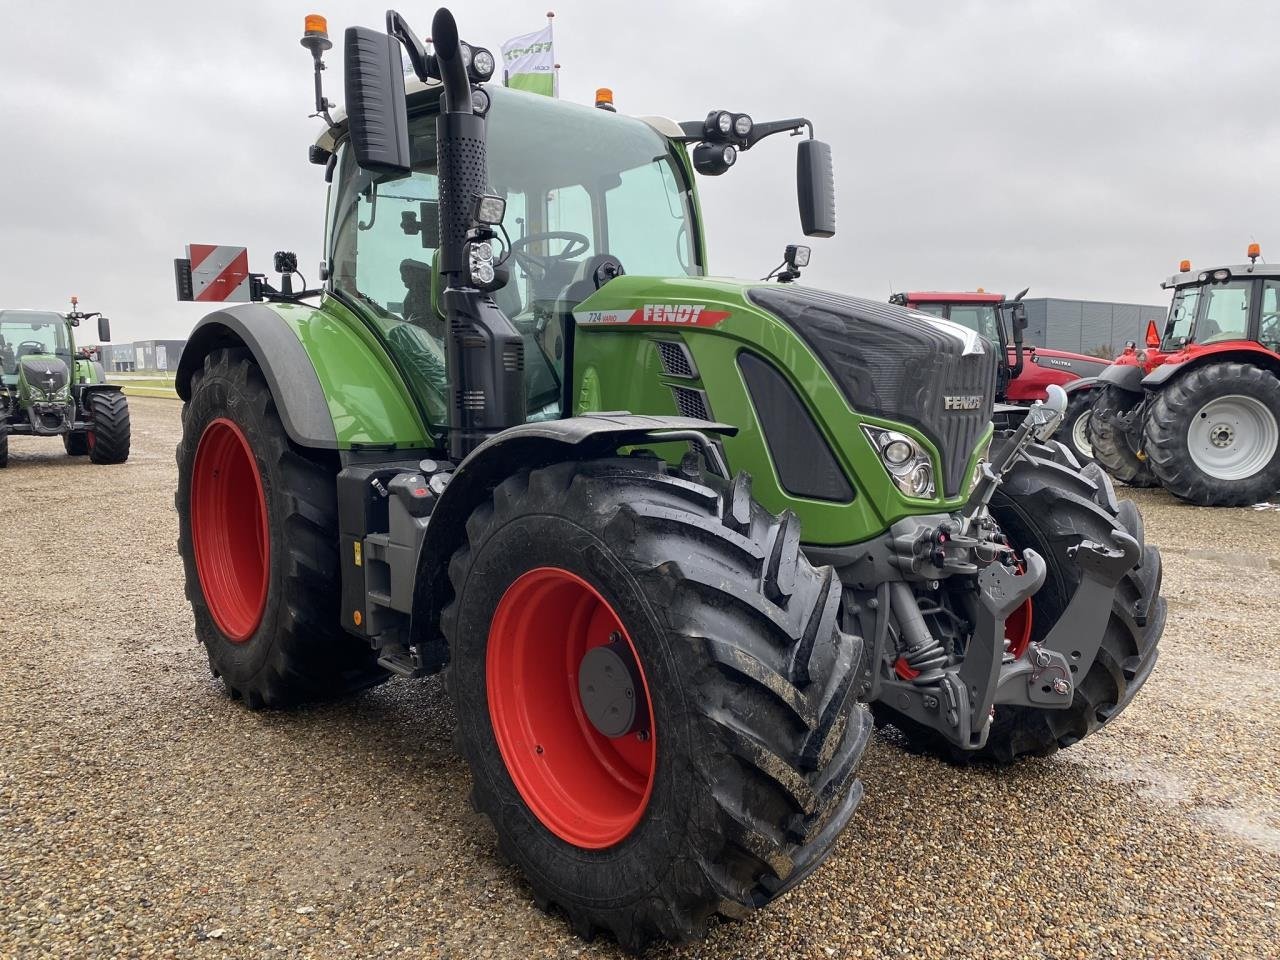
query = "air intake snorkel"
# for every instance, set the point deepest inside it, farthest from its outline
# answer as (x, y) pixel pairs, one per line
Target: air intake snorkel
(485, 351)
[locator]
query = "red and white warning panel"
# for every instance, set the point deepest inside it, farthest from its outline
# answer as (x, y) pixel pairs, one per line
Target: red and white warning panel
(214, 273)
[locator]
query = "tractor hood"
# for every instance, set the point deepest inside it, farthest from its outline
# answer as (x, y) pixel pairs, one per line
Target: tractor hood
(45, 376)
(898, 364)
(1077, 364)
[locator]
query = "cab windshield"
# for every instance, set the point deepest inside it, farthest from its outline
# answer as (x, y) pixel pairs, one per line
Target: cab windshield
(578, 183)
(978, 317)
(27, 332)
(1182, 316)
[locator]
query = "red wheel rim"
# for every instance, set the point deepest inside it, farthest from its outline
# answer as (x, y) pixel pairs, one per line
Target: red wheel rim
(90, 439)
(229, 530)
(1017, 629)
(588, 789)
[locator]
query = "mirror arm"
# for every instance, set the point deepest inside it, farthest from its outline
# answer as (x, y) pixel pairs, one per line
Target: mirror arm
(694, 131)
(424, 64)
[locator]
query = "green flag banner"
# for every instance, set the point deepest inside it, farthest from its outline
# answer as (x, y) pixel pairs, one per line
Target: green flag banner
(530, 62)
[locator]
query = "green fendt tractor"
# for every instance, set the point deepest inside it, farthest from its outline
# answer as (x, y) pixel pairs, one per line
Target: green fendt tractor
(666, 534)
(48, 389)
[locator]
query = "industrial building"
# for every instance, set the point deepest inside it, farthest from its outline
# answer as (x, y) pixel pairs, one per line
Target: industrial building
(1095, 327)
(151, 356)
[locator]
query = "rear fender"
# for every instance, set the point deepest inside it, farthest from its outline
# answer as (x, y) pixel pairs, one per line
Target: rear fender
(285, 364)
(333, 383)
(1241, 352)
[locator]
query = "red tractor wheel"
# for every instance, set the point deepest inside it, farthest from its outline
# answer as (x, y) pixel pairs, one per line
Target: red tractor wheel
(258, 534)
(562, 676)
(229, 529)
(653, 694)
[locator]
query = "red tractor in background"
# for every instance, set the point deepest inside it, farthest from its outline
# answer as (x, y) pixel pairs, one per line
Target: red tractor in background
(1197, 411)
(1028, 370)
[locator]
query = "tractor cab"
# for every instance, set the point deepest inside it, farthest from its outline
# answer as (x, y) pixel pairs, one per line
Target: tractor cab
(1219, 305)
(31, 333)
(587, 194)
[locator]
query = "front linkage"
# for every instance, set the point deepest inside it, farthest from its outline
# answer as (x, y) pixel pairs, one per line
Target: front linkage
(946, 603)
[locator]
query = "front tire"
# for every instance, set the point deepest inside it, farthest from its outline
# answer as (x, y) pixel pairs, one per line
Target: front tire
(1213, 435)
(1046, 504)
(753, 732)
(1111, 432)
(76, 444)
(258, 535)
(4, 450)
(1074, 431)
(109, 412)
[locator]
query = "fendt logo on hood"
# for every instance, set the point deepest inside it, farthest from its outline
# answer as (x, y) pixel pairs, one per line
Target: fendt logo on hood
(961, 403)
(657, 314)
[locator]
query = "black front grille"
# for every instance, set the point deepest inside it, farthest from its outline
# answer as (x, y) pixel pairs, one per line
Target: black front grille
(45, 373)
(691, 403)
(893, 363)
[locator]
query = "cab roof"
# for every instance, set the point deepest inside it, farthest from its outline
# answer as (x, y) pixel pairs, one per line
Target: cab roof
(413, 87)
(935, 296)
(1240, 270)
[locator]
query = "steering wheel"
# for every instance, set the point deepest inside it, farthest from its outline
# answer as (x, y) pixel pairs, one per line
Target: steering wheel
(1269, 328)
(576, 244)
(38, 346)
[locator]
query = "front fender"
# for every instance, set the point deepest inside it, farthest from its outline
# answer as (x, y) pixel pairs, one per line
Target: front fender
(1084, 383)
(1122, 375)
(528, 446)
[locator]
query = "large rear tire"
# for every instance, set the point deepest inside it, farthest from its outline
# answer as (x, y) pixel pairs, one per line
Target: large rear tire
(4, 449)
(1111, 432)
(746, 772)
(258, 535)
(1047, 505)
(1213, 435)
(76, 443)
(109, 440)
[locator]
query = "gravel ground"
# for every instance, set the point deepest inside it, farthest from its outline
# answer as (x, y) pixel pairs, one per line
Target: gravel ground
(144, 814)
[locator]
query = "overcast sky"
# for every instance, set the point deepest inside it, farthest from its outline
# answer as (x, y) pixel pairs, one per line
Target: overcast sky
(1080, 149)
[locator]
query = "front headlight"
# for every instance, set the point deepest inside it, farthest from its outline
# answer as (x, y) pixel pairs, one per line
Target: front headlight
(978, 464)
(906, 462)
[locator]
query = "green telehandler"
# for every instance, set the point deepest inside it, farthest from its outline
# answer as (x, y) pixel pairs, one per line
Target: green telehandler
(49, 389)
(666, 535)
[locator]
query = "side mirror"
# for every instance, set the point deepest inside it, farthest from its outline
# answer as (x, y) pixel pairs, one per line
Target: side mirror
(104, 330)
(374, 80)
(816, 188)
(1020, 316)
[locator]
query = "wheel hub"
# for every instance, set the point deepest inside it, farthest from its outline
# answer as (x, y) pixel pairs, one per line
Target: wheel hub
(1221, 435)
(607, 686)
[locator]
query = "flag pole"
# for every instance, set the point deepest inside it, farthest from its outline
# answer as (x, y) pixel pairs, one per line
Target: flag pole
(555, 74)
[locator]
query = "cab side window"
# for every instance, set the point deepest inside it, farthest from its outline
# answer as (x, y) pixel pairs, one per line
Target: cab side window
(1269, 322)
(1226, 315)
